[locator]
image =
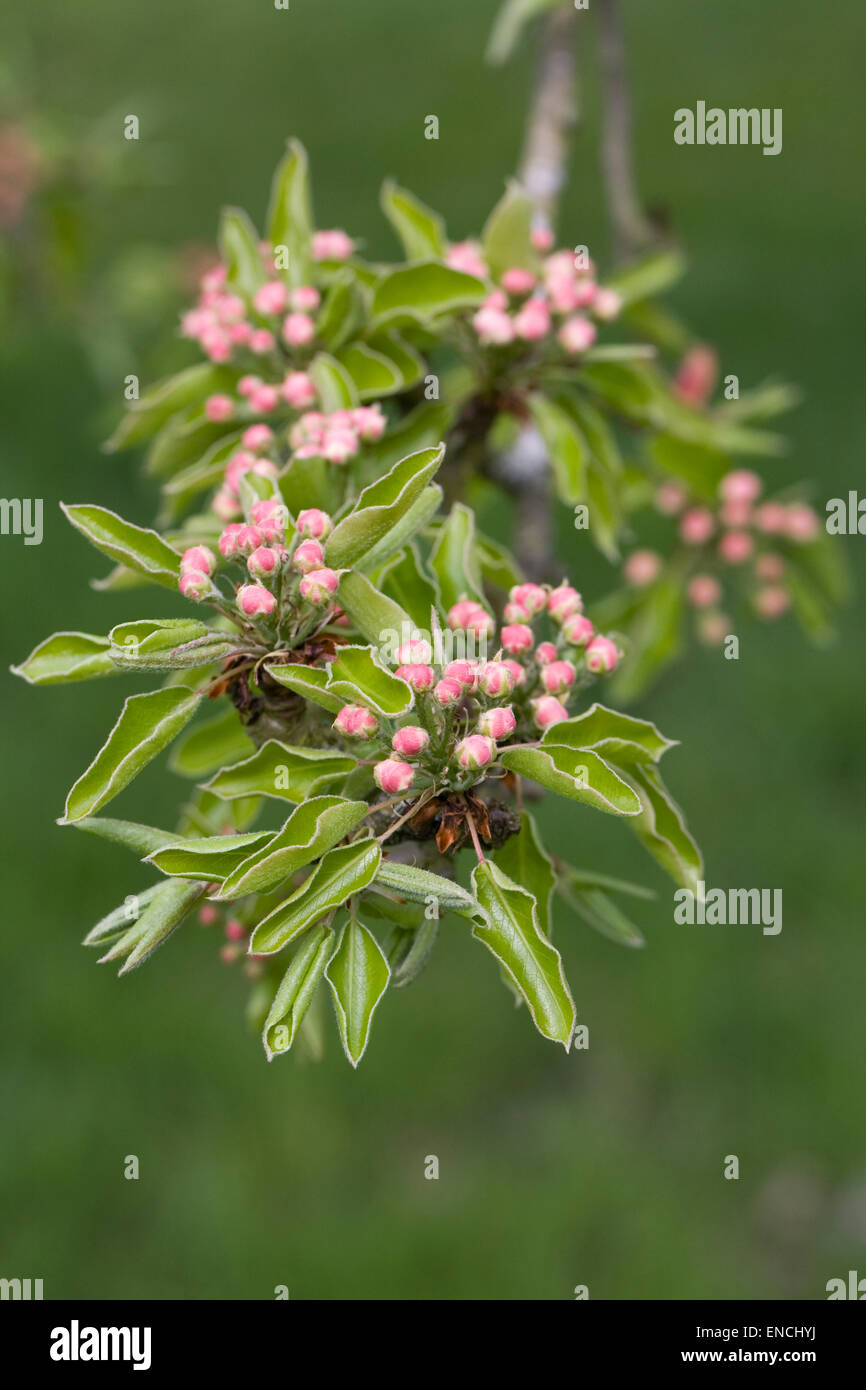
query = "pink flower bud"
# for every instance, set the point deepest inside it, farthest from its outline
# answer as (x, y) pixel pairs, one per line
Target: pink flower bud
(448, 691)
(241, 332)
(298, 329)
(235, 930)
(548, 710)
(516, 613)
(254, 601)
(247, 539)
(306, 298)
(298, 390)
(516, 280)
(271, 517)
(736, 546)
(497, 299)
(240, 463)
(340, 446)
(219, 408)
(272, 298)
(468, 616)
(601, 655)
(497, 723)
(516, 638)
(248, 384)
(562, 602)
(263, 562)
(577, 334)
(558, 677)
(735, 513)
(532, 597)
(332, 245)
(413, 653)
(741, 485)
(393, 776)
(607, 304)
(770, 567)
(257, 437)
(418, 677)
(356, 722)
(264, 399)
(772, 602)
(493, 326)
(542, 238)
(195, 586)
(261, 341)
(696, 375)
(670, 498)
(200, 558)
(545, 652)
(704, 591)
(464, 671)
(475, 751)
(642, 567)
(801, 523)
(308, 556)
(368, 422)
(697, 526)
(229, 954)
(578, 630)
(228, 540)
(314, 524)
(533, 320)
(517, 672)
(225, 505)
(319, 586)
(410, 740)
(771, 518)
(495, 679)
(713, 628)
(207, 915)
(466, 256)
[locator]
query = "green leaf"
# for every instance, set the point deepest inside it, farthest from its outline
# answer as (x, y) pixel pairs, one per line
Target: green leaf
(358, 678)
(421, 231)
(309, 681)
(372, 613)
(380, 507)
(512, 934)
(163, 914)
(598, 912)
(454, 559)
(358, 974)
(239, 252)
(138, 549)
(604, 511)
(403, 356)
(295, 992)
(210, 857)
(425, 506)
(422, 292)
(156, 406)
(146, 725)
(289, 774)
(421, 886)
(310, 482)
(566, 447)
(311, 830)
(700, 467)
(577, 773)
(290, 218)
(414, 953)
(507, 237)
(118, 922)
(339, 874)
(211, 745)
(373, 373)
(588, 878)
(167, 644)
(655, 634)
(662, 829)
(647, 277)
(141, 839)
(335, 387)
(342, 312)
(404, 580)
(524, 859)
(619, 738)
(66, 657)
(498, 566)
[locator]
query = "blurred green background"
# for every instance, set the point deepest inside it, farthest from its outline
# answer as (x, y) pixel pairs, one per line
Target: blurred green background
(602, 1168)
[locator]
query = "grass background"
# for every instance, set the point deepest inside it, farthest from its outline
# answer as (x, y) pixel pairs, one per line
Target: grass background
(601, 1168)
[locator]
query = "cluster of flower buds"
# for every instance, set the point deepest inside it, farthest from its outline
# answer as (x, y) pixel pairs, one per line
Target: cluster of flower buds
(231, 327)
(466, 707)
(337, 437)
(286, 577)
(563, 299)
(741, 532)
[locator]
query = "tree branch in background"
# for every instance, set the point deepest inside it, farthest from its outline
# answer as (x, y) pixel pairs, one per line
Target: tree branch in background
(631, 229)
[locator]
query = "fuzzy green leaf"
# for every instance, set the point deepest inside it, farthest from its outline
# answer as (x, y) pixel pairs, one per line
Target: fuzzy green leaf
(423, 292)
(339, 874)
(312, 829)
(66, 657)
(380, 507)
(421, 231)
(619, 738)
(295, 992)
(577, 773)
(138, 549)
(358, 975)
(211, 857)
(289, 774)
